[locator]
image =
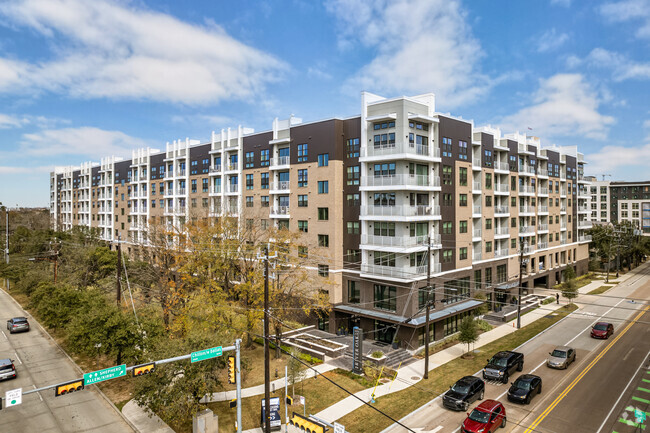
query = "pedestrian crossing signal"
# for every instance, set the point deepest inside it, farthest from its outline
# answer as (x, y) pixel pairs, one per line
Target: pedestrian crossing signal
(66, 388)
(233, 403)
(289, 400)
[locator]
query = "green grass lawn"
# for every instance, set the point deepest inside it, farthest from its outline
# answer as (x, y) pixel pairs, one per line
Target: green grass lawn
(601, 289)
(319, 394)
(403, 402)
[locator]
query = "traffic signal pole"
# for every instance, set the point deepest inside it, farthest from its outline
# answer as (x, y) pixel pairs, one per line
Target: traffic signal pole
(267, 373)
(119, 270)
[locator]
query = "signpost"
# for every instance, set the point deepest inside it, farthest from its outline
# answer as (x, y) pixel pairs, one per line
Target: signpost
(14, 397)
(338, 428)
(105, 374)
(202, 355)
(276, 421)
(357, 350)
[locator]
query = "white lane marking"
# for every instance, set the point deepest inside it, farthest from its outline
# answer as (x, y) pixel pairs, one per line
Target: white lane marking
(19, 361)
(5, 335)
(531, 371)
(437, 429)
(39, 394)
(624, 391)
(592, 324)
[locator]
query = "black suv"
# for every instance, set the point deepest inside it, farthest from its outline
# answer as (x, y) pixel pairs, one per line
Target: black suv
(502, 365)
(7, 369)
(464, 392)
(18, 324)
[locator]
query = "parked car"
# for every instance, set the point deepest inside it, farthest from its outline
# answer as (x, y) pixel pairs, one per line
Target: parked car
(525, 388)
(602, 330)
(485, 418)
(7, 369)
(18, 324)
(502, 365)
(561, 357)
(464, 392)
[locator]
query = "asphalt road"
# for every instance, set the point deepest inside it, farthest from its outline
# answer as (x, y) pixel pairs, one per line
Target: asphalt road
(587, 404)
(39, 362)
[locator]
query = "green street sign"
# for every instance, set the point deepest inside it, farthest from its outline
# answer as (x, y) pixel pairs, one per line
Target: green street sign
(105, 374)
(202, 355)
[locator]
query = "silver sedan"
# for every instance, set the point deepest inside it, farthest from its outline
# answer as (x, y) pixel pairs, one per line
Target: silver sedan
(561, 357)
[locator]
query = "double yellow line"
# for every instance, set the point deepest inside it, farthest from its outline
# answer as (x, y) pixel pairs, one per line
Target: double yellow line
(559, 398)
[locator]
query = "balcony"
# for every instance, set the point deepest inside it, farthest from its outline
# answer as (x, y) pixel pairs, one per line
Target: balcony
(562, 209)
(180, 191)
(563, 193)
(501, 210)
(279, 187)
(542, 209)
(397, 149)
(529, 249)
(562, 226)
(501, 188)
(477, 256)
(399, 180)
(476, 234)
(527, 170)
(542, 191)
(502, 231)
(585, 225)
(583, 209)
(476, 187)
(169, 174)
(501, 253)
(542, 245)
(215, 169)
(232, 167)
(405, 211)
(525, 189)
(584, 238)
(542, 227)
(215, 189)
(526, 230)
(476, 211)
(279, 212)
(501, 166)
(401, 241)
(280, 162)
(180, 173)
(542, 172)
(233, 187)
(526, 209)
(405, 272)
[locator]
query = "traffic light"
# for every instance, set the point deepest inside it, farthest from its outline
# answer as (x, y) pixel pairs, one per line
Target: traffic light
(141, 369)
(307, 425)
(231, 370)
(233, 403)
(66, 388)
(289, 400)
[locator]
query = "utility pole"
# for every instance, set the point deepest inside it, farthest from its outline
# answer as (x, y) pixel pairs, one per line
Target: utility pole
(119, 269)
(238, 380)
(7, 244)
(55, 259)
(426, 330)
(267, 378)
(521, 275)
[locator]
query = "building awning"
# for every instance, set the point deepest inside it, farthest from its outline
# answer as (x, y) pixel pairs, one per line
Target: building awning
(434, 315)
(507, 286)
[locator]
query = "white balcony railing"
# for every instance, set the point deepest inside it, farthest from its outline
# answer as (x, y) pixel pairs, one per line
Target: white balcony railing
(282, 185)
(501, 231)
(400, 241)
(404, 272)
(586, 238)
(525, 189)
(526, 209)
(476, 186)
(527, 229)
(476, 210)
(233, 187)
(476, 233)
(501, 187)
(542, 227)
(585, 224)
(401, 179)
(477, 256)
(542, 245)
(399, 148)
(406, 211)
(279, 161)
(542, 209)
(215, 189)
(215, 169)
(501, 253)
(280, 210)
(501, 210)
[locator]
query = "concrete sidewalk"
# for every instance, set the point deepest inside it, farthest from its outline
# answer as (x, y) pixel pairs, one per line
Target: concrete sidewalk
(143, 421)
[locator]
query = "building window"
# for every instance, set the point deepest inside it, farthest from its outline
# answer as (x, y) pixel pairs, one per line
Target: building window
(513, 243)
(462, 176)
(383, 125)
(264, 158)
(384, 140)
(488, 201)
(265, 201)
(447, 256)
(249, 181)
(447, 199)
(323, 159)
(302, 178)
(383, 258)
(488, 224)
(513, 183)
(353, 175)
(353, 227)
(353, 199)
(193, 187)
(265, 181)
(323, 213)
(303, 252)
(385, 297)
(249, 201)
(323, 187)
(462, 253)
(204, 184)
(302, 152)
(513, 201)
(447, 228)
(425, 294)
(462, 227)
(488, 158)
(513, 222)
(477, 279)
(446, 147)
(303, 200)
(383, 228)
(323, 270)
(303, 226)
(462, 150)
(384, 170)
(264, 224)
(488, 180)
(352, 148)
(353, 256)
(324, 241)
(462, 200)
(488, 247)
(248, 159)
(354, 293)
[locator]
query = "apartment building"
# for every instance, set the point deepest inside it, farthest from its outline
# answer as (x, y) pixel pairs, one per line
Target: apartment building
(612, 202)
(397, 207)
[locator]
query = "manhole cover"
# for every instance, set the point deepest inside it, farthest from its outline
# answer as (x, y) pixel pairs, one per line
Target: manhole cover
(415, 378)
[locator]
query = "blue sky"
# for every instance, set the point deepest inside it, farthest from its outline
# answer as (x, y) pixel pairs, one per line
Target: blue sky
(80, 80)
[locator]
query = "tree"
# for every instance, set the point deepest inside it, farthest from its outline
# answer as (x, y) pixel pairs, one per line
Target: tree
(569, 287)
(468, 331)
(602, 241)
(295, 370)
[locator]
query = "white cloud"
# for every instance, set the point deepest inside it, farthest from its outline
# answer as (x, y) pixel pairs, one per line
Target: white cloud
(103, 49)
(564, 105)
(87, 141)
(622, 67)
(432, 50)
(318, 73)
(620, 161)
(551, 40)
(629, 10)
(7, 121)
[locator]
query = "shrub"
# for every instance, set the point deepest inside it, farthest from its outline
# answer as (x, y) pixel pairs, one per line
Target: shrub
(377, 354)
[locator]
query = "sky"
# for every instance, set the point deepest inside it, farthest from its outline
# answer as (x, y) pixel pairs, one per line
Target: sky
(84, 79)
